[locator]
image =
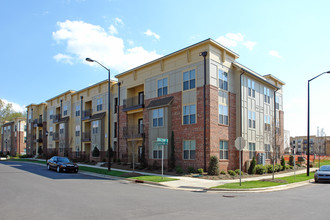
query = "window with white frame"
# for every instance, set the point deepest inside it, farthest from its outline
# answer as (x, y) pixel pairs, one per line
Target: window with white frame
(95, 127)
(77, 151)
(189, 80)
(251, 87)
(99, 104)
(223, 80)
(189, 149)
(266, 95)
(267, 151)
(51, 113)
(267, 122)
(77, 130)
(189, 114)
(277, 102)
(158, 117)
(252, 150)
(156, 151)
(77, 110)
(223, 114)
(252, 119)
(65, 110)
(62, 128)
(162, 87)
(223, 150)
(51, 131)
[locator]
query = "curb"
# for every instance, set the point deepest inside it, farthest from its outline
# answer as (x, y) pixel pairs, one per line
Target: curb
(265, 189)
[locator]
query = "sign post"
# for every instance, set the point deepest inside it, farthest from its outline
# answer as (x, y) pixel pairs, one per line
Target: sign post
(240, 144)
(162, 141)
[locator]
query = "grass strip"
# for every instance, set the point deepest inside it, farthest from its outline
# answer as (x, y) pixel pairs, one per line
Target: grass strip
(262, 184)
(101, 171)
(156, 179)
(28, 160)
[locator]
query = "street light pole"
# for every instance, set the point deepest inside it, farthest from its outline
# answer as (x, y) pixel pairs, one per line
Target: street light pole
(109, 156)
(308, 119)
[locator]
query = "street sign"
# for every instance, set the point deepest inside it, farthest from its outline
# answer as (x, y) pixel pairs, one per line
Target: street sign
(163, 141)
(240, 143)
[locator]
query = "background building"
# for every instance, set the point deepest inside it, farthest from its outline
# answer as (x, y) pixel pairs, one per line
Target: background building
(14, 137)
(318, 145)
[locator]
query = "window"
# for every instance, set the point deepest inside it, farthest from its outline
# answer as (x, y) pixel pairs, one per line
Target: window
(51, 113)
(189, 114)
(223, 80)
(95, 127)
(158, 117)
(116, 105)
(252, 119)
(189, 80)
(162, 85)
(77, 151)
(266, 95)
(189, 150)
(115, 129)
(24, 139)
(65, 110)
(223, 150)
(77, 110)
(223, 114)
(15, 127)
(51, 131)
(61, 128)
(156, 151)
(25, 128)
(277, 102)
(99, 104)
(252, 149)
(252, 90)
(267, 122)
(77, 130)
(267, 151)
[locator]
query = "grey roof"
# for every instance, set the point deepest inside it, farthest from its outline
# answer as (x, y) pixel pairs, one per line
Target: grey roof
(160, 102)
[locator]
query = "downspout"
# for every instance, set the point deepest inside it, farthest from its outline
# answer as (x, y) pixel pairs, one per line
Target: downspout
(204, 54)
(118, 105)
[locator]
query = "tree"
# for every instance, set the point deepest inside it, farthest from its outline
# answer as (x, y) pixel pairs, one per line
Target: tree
(214, 166)
(252, 168)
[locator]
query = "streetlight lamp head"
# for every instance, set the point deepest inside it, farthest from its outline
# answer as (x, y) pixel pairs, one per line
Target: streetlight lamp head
(89, 59)
(328, 72)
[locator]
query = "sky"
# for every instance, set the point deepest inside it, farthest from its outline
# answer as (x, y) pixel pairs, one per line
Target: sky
(44, 44)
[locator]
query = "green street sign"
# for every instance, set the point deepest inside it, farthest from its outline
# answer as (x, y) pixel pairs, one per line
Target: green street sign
(163, 141)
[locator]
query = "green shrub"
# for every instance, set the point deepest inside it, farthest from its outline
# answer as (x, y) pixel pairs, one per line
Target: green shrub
(278, 167)
(260, 169)
(269, 168)
(95, 152)
(190, 170)
(223, 172)
(179, 170)
(231, 173)
(291, 162)
(214, 166)
(289, 167)
(200, 171)
(252, 168)
(298, 165)
(283, 163)
(237, 171)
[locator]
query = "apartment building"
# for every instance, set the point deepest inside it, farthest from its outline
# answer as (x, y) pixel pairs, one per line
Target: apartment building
(205, 99)
(318, 145)
(36, 129)
(13, 137)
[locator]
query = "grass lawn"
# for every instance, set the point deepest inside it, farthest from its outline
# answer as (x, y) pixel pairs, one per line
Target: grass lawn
(28, 160)
(156, 179)
(261, 184)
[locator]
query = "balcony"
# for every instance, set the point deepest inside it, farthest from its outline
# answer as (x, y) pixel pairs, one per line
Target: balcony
(87, 114)
(86, 136)
(39, 140)
(56, 136)
(37, 123)
(133, 103)
(56, 118)
(133, 131)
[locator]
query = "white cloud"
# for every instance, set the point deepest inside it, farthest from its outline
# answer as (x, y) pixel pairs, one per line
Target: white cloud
(16, 107)
(63, 58)
(86, 40)
(130, 42)
(250, 44)
(150, 33)
(232, 40)
(274, 53)
(113, 30)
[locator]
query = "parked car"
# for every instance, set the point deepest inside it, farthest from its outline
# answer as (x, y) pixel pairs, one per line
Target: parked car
(62, 164)
(322, 174)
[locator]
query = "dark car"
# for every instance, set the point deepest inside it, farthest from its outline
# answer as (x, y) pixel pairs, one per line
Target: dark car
(322, 174)
(61, 164)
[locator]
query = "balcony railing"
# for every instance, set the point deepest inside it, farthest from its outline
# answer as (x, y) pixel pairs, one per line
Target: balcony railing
(39, 140)
(133, 103)
(56, 118)
(56, 136)
(86, 114)
(37, 123)
(133, 131)
(86, 136)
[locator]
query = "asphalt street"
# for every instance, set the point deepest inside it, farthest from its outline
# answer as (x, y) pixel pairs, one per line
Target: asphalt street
(30, 191)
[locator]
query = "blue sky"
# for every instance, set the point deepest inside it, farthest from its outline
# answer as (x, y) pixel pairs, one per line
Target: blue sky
(44, 43)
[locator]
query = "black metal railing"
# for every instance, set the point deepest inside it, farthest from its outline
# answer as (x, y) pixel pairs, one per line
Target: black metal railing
(56, 136)
(56, 118)
(134, 102)
(86, 136)
(133, 131)
(86, 114)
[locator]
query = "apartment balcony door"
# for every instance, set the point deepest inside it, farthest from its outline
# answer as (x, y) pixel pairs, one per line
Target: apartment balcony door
(140, 126)
(141, 98)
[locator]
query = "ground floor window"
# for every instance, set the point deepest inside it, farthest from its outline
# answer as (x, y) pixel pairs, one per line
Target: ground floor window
(267, 151)
(189, 149)
(252, 150)
(223, 150)
(156, 151)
